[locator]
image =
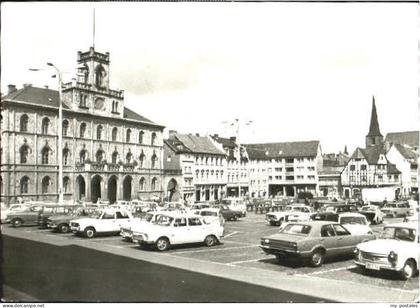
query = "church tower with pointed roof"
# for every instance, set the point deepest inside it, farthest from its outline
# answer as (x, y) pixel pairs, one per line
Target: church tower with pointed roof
(374, 137)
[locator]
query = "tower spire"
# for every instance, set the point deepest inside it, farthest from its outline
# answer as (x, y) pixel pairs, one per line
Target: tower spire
(374, 137)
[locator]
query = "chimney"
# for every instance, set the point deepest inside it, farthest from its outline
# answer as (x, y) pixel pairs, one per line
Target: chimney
(172, 133)
(233, 139)
(216, 135)
(11, 88)
(197, 134)
(46, 87)
(25, 85)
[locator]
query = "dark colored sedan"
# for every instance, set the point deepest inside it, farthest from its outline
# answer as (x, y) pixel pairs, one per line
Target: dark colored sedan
(312, 241)
(49, 211)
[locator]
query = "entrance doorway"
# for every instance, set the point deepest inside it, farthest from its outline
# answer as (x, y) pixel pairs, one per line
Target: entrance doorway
(95, 188)
(112, 189)
(173, 195)
(290, 191)
(127, 188)
(80, 188)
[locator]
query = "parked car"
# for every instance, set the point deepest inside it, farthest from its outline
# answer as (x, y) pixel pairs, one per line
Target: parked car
(325, 216)
(413, 215)
(212, 215)
(235, 204)
(228, 213)
(297, 212)
(12, 208)
(49, 211)
(340, 208)
(61, 222)
(396, 209)
(27, 216)
(177, 228)
(396, 249)
(356, 223)
(312, 241)
(138, 224)
(140, 208)
(373, 213)
(105, 221)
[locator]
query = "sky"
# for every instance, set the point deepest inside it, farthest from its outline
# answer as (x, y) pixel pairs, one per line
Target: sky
(286, 71)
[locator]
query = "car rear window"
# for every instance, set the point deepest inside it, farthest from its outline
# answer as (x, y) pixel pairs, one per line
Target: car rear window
(297, 229)
(208, 213)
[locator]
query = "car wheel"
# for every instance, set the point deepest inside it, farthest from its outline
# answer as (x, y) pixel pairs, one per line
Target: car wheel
(272, 223)
(235, 218)
(162, 244)
(210, 240)
(280, 222)
(17, 222)
(409, 269)
(317, 258)
(63, 228)
(89, 232)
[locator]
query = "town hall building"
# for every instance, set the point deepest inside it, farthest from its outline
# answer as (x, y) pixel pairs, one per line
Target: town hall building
(109, 151)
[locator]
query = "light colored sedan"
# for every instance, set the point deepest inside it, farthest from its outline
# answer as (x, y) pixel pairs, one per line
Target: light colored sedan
(356, 223)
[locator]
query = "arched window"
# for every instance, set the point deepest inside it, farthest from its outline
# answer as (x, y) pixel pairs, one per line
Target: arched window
(114, 157)
(46, 183)
(128, 157)
(24, 119)
(142, 184)
(154, 161)
(114, 134)
(114, 106)
(99, 76)
(142, 159)
(65, 127)
(24, 151)
(45, 153)
(82, 130)
(128, 136)
(99, 131)
(24, 183)
(66, 184)
(154, 183)
(153, 138)
(99, 156)
(66, 155)
(82, 155)
(197, 173)
(45, 125)
(202, 174)
(141, 135)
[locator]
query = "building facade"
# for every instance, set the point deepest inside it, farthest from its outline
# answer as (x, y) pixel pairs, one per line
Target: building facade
(237, 166)
(109, 152)
(203, 164)
(369, 167)
(284, 169)
(330, 175)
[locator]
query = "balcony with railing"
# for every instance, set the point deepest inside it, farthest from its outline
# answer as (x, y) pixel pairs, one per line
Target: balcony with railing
(89, 87)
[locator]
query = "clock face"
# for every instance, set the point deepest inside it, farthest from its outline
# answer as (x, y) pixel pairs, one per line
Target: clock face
(99, 104)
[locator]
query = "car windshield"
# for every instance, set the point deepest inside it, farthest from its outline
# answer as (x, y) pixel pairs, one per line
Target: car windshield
(83, 212)
(403, 234)
(226, 202)
(96, 214)
(148, 217)
(208, 213)
(296, 229)
(367, 208)
(163, 220)
(353, 220)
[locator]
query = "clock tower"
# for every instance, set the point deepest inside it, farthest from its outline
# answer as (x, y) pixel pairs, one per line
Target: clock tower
(91, 92)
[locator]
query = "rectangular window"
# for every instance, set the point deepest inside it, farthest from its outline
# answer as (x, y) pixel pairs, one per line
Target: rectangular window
(289, 169)
(363, 167)
(289, 161)
(352, 167)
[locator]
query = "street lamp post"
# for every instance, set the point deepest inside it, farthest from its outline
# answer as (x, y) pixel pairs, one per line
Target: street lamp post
(60, 136)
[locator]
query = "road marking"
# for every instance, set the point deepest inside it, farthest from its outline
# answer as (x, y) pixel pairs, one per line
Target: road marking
(208, 250)
(230, 234)
(333, 270)
(246, 261)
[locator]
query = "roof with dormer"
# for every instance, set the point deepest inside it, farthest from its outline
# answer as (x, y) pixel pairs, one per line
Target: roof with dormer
(371, 154)
(410, 138)
(44, 97)
(194, 144)
(263, 151)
